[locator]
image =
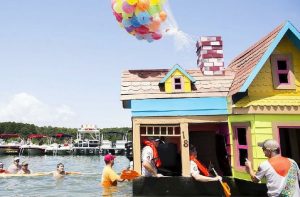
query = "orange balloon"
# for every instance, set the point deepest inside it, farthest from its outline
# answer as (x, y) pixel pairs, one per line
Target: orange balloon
(143, 5)
(154, 25)
(163, 16)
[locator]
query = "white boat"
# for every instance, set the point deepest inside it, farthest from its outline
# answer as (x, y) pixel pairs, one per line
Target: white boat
(59, 149)
(117, 147)
(88, 140)
(65, 147)
(31, 148)
(10, 144)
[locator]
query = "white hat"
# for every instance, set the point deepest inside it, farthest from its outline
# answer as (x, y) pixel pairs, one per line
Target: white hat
(269, 144)
(17, 158)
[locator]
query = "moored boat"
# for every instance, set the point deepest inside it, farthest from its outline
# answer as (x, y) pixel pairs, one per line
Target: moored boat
(116, 147)
(61, 145)
(37, 148)
(88, 141)
(10, 144)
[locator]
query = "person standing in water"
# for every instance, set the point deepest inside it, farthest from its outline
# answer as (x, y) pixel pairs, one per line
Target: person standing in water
(282, 174)
(109, 176)
(24, 168)
(15, 166)
(60, 171)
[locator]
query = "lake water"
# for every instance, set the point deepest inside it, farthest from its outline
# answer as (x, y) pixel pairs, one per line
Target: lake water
(86, 184)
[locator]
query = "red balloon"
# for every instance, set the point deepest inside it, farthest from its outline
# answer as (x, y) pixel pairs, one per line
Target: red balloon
(156, 36)
(142, 29)
(118, 16)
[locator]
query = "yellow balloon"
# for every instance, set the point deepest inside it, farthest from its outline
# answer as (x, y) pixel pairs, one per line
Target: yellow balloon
(132, 2)
(117, 7)
(154, 2)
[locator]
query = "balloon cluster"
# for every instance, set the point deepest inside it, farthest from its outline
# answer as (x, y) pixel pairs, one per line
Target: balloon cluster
(140, 18)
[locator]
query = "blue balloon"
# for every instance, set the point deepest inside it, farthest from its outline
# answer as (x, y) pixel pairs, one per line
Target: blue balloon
(126, 22)
(135, 22)
(139, 37)
(143, 18)
(149, 38)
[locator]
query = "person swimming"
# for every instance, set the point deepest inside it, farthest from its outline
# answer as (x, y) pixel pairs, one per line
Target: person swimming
(2, 170)
(60, 171)
(24, 168)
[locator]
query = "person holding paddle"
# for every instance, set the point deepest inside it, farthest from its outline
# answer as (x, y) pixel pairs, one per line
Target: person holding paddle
(197, 168)
(109, 176)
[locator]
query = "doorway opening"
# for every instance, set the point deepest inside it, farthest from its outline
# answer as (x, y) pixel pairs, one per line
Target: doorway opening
(290, 142)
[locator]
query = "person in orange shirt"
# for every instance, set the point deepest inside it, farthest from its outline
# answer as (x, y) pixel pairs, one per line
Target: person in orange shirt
(109, 176)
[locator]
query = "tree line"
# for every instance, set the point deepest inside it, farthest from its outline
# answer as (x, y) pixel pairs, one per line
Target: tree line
(24, 129)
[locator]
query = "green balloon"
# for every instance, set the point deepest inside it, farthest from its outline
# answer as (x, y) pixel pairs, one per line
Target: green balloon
(154, 9)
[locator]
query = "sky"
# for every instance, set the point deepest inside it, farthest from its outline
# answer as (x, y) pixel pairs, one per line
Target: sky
(61, 60)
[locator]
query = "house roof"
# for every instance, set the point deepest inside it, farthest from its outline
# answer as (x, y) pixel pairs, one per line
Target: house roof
(248, 64)
(177, 67)
(144, 84)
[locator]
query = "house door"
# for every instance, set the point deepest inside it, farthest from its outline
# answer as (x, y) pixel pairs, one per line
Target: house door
(290, 143)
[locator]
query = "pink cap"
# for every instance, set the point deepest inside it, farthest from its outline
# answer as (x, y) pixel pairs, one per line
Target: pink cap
(109, 157)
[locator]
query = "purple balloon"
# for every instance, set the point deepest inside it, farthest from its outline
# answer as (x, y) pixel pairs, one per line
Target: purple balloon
(129, 29)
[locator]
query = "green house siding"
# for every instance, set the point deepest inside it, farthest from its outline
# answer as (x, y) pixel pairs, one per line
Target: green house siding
(261, 128)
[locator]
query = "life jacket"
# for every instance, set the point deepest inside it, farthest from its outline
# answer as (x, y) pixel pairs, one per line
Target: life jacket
(200, 166)
(155, 153)
(280, 164)
(3, 171)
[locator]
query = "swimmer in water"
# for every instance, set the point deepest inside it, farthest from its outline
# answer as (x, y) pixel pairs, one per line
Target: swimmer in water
(24, 168)
(2, 170)
(60, 171)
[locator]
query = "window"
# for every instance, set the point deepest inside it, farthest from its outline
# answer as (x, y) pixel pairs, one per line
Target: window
(242, 146)
(283, 77)
(178, 83)
(160, 130)
(241, 143)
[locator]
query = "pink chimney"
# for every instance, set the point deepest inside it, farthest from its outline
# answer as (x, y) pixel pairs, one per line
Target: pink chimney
(210, 55)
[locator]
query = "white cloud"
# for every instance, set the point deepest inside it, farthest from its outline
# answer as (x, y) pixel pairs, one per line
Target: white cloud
(26, 108)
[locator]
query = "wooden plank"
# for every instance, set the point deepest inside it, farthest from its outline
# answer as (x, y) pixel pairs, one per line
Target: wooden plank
(185, 153)
(136, 147)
